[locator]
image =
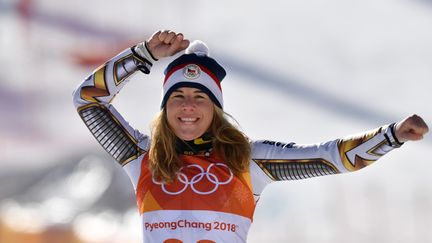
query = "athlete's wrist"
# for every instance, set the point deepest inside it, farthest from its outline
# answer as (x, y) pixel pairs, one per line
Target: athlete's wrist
(143, 56)
(142, 50)
(392, 138)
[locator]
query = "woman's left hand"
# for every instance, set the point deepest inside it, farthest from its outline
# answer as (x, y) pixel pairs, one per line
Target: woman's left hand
(165, 43)
(411, 128)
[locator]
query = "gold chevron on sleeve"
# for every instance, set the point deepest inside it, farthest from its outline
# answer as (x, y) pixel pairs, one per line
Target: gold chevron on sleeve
(90, 93)
(356, 153)
(377, 150)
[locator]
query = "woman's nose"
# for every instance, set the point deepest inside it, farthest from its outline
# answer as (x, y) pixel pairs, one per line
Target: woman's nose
(188, 103)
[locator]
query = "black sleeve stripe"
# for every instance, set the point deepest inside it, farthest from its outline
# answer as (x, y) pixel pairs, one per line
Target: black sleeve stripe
(388, 139)
(142, 64)
(392, 130)
(296, 169)
(110, 133)
(92, 118)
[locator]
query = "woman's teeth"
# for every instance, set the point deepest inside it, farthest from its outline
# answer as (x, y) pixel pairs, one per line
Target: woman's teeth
(188, 119)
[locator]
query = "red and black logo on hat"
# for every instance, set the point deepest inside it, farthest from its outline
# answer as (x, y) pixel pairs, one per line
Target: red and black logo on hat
(192, 71)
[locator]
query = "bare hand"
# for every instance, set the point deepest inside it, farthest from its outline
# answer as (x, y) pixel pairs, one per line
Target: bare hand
(411, 128)
(166, 43)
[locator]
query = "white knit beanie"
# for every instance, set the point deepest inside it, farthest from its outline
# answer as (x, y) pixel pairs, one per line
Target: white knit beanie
(197, 70)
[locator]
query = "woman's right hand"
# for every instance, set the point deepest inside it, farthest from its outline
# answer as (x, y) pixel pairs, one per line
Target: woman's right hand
(166, 43)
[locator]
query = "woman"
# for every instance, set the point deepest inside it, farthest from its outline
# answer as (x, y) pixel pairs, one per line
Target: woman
(198, 178)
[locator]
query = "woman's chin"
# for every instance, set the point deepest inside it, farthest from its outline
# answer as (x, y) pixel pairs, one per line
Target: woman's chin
(188, 136)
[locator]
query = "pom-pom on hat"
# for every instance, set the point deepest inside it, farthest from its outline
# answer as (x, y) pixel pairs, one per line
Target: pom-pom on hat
(195, 69)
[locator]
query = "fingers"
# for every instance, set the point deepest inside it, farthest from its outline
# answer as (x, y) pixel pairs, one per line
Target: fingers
(419, 125)
(167, 36)
(170, 37)
(178, 43)
(164, 43)
(155, 36)
(184, 44)
(154, 40)
(415, 125)
(411, 128)
(161, 37)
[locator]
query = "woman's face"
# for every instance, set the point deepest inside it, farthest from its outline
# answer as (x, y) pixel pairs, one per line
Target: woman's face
(189, 112)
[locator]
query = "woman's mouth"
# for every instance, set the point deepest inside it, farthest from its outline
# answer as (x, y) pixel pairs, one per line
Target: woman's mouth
(188, 119)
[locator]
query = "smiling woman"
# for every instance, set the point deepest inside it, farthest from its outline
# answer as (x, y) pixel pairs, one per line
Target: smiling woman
(189, 112)
(198, 178)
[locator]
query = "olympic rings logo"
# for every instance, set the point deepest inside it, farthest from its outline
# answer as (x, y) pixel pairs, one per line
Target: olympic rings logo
(183, 179)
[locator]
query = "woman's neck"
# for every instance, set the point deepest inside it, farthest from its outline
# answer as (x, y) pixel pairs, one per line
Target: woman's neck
(200, 145)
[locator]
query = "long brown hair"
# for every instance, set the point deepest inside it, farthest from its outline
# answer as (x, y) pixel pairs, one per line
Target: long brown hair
(228, 142)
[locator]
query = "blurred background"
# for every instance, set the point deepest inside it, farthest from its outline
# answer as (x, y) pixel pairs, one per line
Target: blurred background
(298, 71)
